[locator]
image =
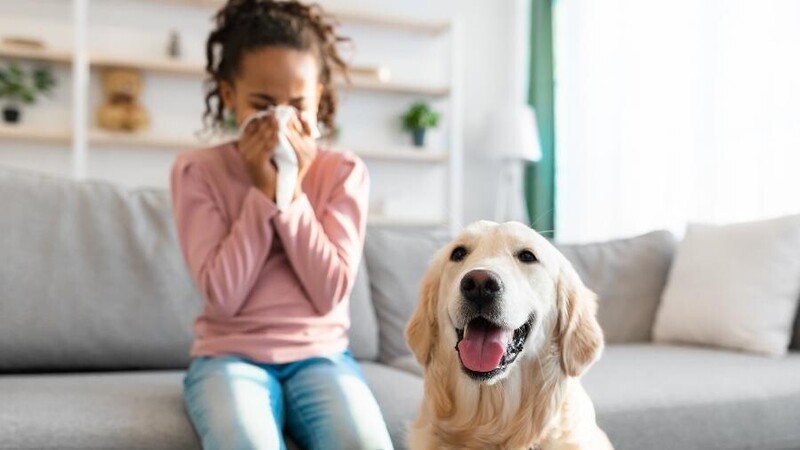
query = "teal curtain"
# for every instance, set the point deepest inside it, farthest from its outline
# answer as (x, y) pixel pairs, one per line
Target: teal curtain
(540, 175)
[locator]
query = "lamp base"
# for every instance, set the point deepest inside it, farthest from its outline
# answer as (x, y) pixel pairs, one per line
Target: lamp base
(510, 204)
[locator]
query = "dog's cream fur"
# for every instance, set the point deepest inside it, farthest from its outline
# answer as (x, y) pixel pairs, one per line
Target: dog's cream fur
(538, 402)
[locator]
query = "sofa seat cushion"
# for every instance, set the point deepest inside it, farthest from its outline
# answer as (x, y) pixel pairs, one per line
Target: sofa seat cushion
(667, 397)
(408, 364)
(110, 410)
(399, 395)
(144, 409)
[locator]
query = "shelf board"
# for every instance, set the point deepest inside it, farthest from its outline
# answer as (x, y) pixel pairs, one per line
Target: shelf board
(193, 69)
(381, 220)
(35, 54)
(147, 141)
(399, 22)
(198, 3)
(406, 154)
(26, 133)
(177, 67)
(160, 65)
(141, 141)
(393, 87)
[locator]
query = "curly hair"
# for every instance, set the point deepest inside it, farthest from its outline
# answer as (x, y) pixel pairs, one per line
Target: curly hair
(245, 25)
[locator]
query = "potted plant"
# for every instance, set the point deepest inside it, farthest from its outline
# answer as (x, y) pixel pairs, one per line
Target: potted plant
(20, 87)
(419, 118)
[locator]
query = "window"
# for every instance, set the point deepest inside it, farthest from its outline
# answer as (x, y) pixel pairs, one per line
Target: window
(675, 111)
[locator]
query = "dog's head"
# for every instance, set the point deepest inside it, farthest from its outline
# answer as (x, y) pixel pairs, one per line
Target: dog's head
(500, 294)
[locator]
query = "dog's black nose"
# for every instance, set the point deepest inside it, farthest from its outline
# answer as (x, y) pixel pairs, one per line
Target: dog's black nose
(481, 286)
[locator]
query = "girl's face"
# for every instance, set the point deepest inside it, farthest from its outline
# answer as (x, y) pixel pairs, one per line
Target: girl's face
(273, 76)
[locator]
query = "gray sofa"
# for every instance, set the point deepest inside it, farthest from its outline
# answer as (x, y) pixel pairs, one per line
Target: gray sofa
(96, 310)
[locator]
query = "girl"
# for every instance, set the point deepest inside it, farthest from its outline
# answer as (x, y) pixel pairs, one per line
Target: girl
(271, 342)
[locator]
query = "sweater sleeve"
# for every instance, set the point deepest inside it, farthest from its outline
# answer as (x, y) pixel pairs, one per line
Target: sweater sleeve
(224, 258)
(325, 251)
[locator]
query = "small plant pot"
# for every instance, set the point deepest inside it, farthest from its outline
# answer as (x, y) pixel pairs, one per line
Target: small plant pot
(11, 114)
(419, 137)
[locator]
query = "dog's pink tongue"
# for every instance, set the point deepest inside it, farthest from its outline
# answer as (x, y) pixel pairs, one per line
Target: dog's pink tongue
(483, 347)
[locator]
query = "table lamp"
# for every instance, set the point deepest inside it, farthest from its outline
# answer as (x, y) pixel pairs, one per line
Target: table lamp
(514, 139)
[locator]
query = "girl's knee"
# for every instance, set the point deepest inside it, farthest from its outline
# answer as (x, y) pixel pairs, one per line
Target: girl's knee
(233, 436)
(343, 430)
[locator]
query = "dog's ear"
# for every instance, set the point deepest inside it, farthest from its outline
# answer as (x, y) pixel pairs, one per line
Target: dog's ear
(580, 336)
(422, 330)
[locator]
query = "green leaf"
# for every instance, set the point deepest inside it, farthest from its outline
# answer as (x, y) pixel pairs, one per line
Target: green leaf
(43, 80)
(16, 71)
(17, 84)
(420, 115)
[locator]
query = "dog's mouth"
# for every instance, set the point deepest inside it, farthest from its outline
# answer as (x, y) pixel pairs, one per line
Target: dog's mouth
(486, 349)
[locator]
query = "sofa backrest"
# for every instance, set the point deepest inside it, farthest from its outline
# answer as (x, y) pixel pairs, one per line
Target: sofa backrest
(628, 276)
(91, 278)
(397, 259)
(363, 321)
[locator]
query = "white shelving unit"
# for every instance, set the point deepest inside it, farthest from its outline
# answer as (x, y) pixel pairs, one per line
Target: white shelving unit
(82, 138)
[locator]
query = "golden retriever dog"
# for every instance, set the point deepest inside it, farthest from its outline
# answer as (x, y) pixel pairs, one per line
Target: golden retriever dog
(504, 329)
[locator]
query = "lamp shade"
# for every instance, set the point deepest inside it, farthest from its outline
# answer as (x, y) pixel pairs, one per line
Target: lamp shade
(514, 134)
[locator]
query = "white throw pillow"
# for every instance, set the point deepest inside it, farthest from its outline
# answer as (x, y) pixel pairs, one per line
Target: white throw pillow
(735, 286)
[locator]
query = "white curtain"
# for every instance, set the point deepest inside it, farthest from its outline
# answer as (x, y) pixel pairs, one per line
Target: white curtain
(675, 111)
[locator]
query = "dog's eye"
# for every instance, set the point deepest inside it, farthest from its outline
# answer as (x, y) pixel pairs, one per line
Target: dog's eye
(527, 256)
(458, 254)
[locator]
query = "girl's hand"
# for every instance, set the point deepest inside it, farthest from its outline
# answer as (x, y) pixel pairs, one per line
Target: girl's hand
(256, 147)
(304, 146)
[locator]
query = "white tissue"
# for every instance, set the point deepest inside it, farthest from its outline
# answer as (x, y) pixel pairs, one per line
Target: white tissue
(283, 154)
(285, 158)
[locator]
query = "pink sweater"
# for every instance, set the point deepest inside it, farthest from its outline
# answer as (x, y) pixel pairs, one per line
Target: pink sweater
(275, 284)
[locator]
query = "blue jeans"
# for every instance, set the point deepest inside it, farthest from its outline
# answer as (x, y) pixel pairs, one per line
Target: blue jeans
(324, 403)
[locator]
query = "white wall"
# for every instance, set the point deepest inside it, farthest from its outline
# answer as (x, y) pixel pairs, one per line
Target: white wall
(142, 28)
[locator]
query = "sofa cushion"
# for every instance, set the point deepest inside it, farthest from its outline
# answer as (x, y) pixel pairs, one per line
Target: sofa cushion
(408, 364)
(735, 286)
(91, 277)
(628, 276)
(399, 395)
(109, 410)
(363, 332)
(397, 260)
(667, 397)
(113, 410)
(144, 409)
